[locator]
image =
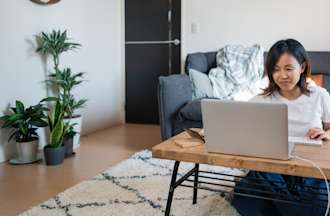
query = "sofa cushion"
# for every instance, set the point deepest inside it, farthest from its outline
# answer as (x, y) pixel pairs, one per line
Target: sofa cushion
(174, 91)
(201, 84)
(191, 111)
(197, 61)
(202, 62)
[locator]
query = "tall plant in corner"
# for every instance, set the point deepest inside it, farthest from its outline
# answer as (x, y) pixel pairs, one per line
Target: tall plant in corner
(54, 44)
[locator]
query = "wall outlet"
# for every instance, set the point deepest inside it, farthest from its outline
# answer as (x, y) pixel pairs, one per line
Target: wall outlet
(195, 28)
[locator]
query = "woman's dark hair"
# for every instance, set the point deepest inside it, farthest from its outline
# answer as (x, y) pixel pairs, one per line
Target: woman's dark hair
(291, 47)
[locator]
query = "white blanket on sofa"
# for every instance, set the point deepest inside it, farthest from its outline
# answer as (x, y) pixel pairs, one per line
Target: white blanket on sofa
(239, 69)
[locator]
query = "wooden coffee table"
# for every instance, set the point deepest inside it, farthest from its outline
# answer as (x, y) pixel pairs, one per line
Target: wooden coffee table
(199, 155)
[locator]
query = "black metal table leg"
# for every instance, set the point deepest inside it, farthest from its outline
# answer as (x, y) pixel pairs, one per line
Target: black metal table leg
(172, 187)
(195, 184)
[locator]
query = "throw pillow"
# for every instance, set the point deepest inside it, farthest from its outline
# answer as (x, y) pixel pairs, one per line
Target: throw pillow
(201, 84)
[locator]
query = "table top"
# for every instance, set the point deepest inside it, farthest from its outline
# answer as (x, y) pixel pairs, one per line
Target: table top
(199, 154)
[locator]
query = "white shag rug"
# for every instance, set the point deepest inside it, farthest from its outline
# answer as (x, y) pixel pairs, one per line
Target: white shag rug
(136, 186)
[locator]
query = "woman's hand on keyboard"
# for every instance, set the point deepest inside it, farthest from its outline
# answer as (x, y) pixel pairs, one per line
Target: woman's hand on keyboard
(316, 133)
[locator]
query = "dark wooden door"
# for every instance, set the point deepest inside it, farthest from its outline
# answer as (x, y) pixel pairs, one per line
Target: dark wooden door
(152, 49)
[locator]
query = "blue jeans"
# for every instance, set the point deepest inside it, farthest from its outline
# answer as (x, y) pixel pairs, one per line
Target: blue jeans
(290, 187)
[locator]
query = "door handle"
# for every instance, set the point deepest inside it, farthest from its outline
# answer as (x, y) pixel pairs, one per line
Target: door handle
(175, 42)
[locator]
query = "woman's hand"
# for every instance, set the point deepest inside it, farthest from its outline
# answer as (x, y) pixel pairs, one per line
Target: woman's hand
(317, 133)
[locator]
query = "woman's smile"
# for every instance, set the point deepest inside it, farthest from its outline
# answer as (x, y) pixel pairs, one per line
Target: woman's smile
(285, 83)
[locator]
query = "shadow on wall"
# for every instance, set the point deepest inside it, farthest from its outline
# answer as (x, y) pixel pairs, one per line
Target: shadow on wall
(50, 90)
(44, 61)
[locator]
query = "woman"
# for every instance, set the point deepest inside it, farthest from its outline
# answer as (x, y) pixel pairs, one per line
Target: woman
(287, 67)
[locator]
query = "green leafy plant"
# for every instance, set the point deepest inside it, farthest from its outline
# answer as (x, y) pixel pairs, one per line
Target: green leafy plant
(57, 126)
(54, 44)
(24, 121)
(70, 132)
(67, 81)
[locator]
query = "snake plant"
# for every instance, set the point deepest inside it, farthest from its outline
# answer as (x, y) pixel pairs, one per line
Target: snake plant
(57, 126)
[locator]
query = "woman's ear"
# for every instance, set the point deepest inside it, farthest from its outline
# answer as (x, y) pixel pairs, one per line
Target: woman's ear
(303, 67)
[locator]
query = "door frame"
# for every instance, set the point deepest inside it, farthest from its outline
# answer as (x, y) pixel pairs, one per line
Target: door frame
(123, 64)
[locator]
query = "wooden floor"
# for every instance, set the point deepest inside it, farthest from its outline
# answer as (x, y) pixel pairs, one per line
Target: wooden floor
(24, 186)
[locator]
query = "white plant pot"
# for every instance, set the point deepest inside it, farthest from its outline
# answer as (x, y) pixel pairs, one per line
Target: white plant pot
(78, 120)
(27, 151)
(43, 134)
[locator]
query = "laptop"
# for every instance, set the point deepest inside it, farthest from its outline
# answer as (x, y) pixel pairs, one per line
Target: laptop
(246, 128)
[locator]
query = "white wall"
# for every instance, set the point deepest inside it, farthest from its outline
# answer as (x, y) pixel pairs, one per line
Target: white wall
(95, 24)
(248, 22)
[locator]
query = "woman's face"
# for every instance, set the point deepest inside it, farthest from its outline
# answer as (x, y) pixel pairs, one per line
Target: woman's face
(287, 72)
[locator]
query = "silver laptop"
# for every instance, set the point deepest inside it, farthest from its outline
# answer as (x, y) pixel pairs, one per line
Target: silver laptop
(246, 128)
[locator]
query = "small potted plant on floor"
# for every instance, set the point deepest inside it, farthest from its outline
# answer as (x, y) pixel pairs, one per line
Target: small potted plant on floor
(24, 122)
(68, 139)
(54, 152)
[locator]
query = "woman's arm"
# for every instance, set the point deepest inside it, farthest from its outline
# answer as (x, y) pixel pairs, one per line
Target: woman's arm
(318, 133)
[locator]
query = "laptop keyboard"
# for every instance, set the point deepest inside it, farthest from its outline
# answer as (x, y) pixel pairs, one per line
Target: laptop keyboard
(304, 140)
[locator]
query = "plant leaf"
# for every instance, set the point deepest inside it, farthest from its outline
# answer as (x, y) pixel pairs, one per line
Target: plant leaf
(14, 118)
(19, 107)
(39, 123)
(50, 123)
(23, 129)
(4, 118)
(57, 113)
(12, 135)
(57, 134)
(48, 99)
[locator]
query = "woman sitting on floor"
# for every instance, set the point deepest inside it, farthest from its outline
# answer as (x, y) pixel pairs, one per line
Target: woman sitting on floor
(288, 67)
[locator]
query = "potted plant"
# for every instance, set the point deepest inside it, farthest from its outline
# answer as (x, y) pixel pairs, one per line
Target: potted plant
(24, 122)
(66, 81)
(54, 152)
(68, 140)
(54, 44)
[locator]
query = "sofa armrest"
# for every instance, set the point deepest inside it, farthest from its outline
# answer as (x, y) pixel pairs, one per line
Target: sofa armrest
(174, 91)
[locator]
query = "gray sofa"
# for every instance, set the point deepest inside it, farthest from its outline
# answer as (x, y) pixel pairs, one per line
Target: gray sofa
(176, 108)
